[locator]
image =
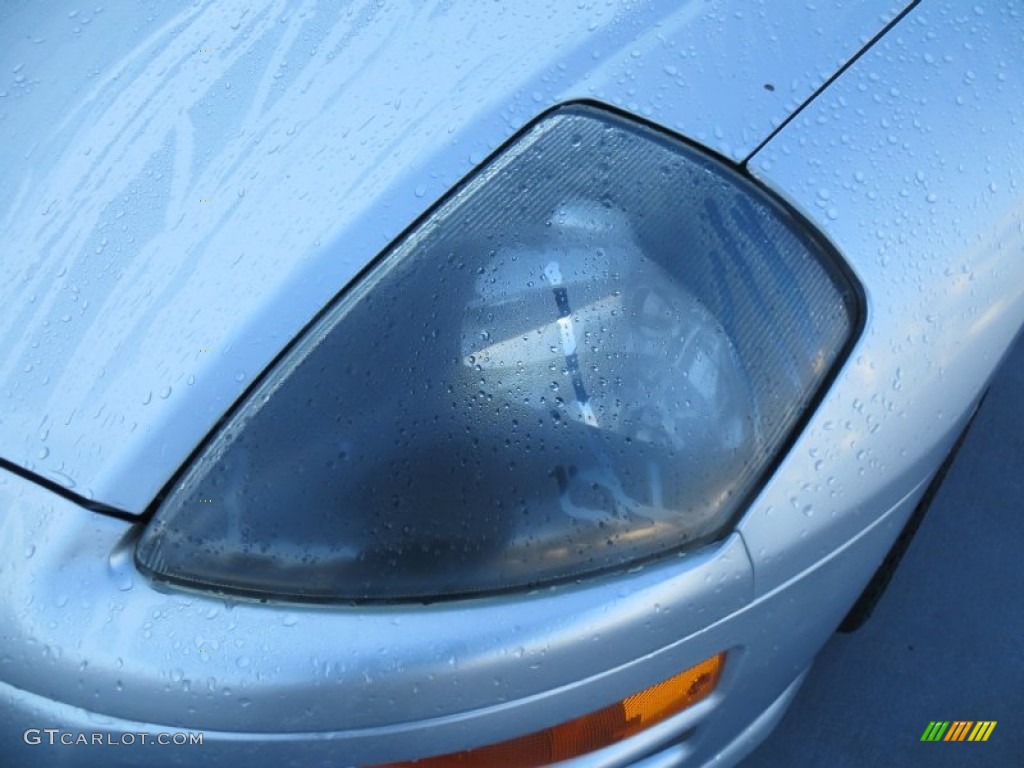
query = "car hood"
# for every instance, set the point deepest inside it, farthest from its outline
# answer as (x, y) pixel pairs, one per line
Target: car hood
(185, 189)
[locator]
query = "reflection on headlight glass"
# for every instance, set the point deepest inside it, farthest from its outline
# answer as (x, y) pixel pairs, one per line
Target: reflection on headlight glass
(617, 363)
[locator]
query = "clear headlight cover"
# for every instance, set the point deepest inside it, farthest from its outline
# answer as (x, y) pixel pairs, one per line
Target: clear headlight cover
(590, 354)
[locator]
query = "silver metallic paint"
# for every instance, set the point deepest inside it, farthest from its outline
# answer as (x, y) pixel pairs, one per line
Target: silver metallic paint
(387, 682)
(806, 570)
(119, 275)
(912, 164)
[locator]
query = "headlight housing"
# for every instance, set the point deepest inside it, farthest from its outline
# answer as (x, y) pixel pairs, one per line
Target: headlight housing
(590, 354)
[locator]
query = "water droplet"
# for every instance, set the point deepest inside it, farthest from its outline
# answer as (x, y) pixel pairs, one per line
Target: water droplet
(43, 453)
(421, 191)
(120, 565)
(148, 398)
(165, 393)
(243, 662)
(240, 376)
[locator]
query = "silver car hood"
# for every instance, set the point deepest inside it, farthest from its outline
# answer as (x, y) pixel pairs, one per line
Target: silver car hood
(184, 190)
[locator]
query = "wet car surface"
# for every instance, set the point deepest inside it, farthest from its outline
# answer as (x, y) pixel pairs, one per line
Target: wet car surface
(370, 397)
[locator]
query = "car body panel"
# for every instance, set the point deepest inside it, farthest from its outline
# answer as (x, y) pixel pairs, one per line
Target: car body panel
(912, 164)
(114, 614)
(178, 207)
(120, 654)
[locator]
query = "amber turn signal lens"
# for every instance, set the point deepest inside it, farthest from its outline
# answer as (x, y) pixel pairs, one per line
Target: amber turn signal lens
(593, 731)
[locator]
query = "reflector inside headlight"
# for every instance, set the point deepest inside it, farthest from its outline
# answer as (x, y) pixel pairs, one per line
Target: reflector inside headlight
(590, 354)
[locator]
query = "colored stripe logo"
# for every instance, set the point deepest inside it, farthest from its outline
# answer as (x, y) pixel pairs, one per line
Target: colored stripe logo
(958, 730)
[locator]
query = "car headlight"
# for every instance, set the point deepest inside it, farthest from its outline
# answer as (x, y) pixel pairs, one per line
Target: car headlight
(590, 354)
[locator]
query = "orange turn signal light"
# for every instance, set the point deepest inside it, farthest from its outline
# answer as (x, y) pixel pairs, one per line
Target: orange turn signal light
(590, 732)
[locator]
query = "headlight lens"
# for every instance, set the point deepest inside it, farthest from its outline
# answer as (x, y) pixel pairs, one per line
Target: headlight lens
(588, 355)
